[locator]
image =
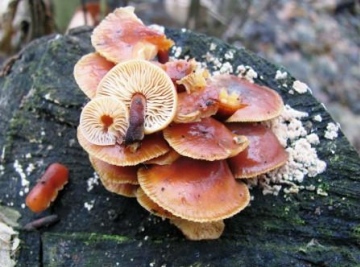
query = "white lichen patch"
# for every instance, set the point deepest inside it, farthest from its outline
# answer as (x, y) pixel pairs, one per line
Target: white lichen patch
(303, 159)
(176, 50)
(331, 131)
(9, 244)
(280, 75)
(300, 87)
(317, 118)
(92, 181)
(246, 72)
(20, 171)
(212, 46)
(89, 205)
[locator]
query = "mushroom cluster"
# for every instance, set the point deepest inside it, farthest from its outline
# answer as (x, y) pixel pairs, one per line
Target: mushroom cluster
(167, 132)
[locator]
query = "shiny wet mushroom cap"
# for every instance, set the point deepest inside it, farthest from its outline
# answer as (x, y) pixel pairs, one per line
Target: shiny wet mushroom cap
(151, 147)
(207, 139)
(146, 90)
(263, 154)
(104, 121)
(255, 102)
(122, 36)
(114, 174)
(89, 71)
(195, 190)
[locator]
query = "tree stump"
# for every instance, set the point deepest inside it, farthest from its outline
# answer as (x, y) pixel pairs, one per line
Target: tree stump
(40, 105)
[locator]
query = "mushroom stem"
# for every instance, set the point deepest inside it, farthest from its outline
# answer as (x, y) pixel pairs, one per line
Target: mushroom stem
(135, 132)
(163, 56)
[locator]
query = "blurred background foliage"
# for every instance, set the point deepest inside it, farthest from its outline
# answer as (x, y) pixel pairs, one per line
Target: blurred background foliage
(318, 41)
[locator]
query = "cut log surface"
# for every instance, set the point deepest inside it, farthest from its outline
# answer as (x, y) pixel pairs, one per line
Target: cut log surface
(40, 105)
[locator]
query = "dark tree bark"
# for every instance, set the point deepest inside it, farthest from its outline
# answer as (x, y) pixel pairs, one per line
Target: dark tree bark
(40, 105)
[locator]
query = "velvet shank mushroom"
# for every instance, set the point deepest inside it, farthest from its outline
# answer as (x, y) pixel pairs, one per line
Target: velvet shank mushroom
(122, 36)
(104, 121)
(148, 93)
(206, 192)
(192, 230)
(207, 139)
(152, 146)
(263, 154)
(116, 179)
(243, 101)
(89, 71)
(169, 134)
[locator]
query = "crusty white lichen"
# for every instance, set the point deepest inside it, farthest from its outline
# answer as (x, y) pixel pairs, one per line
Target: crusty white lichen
(303, 159)
(300, 87)
(280, 75)
(332, 131)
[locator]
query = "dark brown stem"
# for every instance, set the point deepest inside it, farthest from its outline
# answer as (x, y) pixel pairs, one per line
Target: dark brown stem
(42, 222)
(135, 132)
(163, 56)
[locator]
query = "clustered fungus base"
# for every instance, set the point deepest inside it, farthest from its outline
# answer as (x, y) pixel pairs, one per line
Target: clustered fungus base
(170, 134)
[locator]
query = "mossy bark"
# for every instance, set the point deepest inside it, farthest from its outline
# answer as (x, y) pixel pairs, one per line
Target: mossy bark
(40, 105)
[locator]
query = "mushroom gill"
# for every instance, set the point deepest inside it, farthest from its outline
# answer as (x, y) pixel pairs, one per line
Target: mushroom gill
(156, 98)
(103, 121)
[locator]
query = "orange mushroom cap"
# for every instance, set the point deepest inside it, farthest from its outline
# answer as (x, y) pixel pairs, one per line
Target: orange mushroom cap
(89, 71)
(255, 102)
(196, 105)
(195, 190)
(167, 158)
(207, 139)
(152, 146)
(126, 190)
(151, 206)
(178, 69)
(263, 154)
(122, 36)
(191, 230)
(114, 174)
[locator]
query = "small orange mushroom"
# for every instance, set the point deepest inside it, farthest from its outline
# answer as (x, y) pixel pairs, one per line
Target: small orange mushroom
(148, 93)
(178, 69)
(89, 71)
(263, 154)
(152, 146)
(206, 192)
(122, 36)
(47, 188)
(243, 101)
(207, 139)
(193, 106)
